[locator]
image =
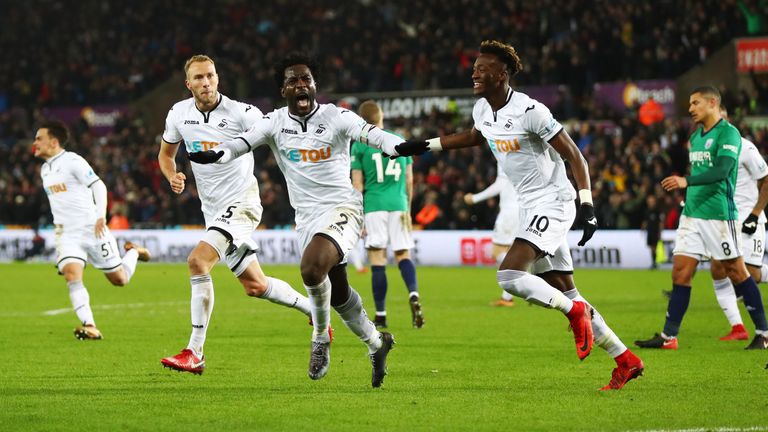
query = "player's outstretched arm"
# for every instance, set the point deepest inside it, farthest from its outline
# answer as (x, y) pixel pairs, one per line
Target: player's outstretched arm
(491, 191)
(357, 180)
(99, 191)
(564, 145)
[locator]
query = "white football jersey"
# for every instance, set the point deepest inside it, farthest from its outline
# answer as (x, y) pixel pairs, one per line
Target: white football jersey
(517, 135)
(313, 154)
(217, 184)
(507, 195)
(501, 187)
(67, 180)
(752, 168)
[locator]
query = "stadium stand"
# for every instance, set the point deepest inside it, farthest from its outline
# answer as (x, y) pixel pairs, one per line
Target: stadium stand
(116, 54)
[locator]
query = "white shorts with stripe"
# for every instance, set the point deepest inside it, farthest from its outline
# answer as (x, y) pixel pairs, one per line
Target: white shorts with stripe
(546, 226)
(80, 245)
(384, 228)
(703, 239)
(230, 230)
(342, 225)
(753, 246)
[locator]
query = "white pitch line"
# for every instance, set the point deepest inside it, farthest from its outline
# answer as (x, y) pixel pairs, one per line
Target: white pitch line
(710, 429)
(117, 306)
(54, 312)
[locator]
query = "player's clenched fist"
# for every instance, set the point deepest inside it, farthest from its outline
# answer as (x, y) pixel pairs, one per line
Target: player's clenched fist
(177, 182)
(674, 182)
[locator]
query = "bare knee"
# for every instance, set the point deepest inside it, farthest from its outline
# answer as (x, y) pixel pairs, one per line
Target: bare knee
(198, 265)
(312, 273)
(254, 287)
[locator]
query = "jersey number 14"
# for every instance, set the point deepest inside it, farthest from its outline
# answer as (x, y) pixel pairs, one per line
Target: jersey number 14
(393, 168)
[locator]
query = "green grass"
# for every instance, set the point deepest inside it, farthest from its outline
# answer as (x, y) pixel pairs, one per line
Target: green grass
(472, 367)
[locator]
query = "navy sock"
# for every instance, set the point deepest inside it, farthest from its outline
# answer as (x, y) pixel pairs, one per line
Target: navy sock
(739, 290)
(753, 302)
(379, 283)
(678, 304)
(408, 272)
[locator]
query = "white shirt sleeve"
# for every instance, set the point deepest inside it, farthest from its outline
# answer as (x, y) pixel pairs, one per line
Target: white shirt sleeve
(754, 162)
(83, 172)
(171, 133)
(250, 115)
(260, 133)
(99, 191)
(538, 120)
(358, 129)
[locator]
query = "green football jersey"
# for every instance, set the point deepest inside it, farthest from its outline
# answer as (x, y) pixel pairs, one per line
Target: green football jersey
(384, 179)
(714, 200)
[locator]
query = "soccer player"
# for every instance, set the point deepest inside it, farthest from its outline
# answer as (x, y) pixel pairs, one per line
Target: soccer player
(387, 187)
(506, 225)
(311, 144)
(751, 197)
(530, 146)
(78, 200)
(230, 200)
(708, 226)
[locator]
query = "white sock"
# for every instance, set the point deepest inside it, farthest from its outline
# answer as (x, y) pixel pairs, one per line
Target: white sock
(202, 306)
(764, 273)
(356, 319)
(80, 299)
(280, 292)
(129, 263)
(506, 296)
(320, 308)
(726, 298)
(605, 338)
(533, 289)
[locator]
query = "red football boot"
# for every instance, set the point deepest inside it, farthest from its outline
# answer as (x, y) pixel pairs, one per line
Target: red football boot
(185, 361)
(580, 317)
(628, 367)
(738, 332)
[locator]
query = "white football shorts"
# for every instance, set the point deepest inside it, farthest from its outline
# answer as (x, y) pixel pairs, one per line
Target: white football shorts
(385, 228)
(506, 226)
(230, 230)
(341, 224)
(80, 245)
(546, 226)
(707, 239)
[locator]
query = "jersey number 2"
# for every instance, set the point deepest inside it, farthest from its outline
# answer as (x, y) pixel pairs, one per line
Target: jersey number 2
(393, 168)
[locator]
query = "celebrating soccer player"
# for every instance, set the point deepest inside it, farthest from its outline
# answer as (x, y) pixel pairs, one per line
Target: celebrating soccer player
(530, 145)
(387, 187)
(230, 200)
(507, 222)
(708, 226)
(78, 201)
(311, 144)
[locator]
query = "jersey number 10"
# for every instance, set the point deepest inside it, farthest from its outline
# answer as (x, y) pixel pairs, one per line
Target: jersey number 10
(393, 168)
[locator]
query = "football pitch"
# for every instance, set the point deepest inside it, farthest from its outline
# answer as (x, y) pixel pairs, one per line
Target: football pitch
(472, 366)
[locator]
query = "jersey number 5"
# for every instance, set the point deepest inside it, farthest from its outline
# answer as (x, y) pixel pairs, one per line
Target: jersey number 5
(393, 168)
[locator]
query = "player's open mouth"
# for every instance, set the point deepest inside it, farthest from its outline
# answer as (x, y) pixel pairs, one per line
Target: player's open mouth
(477, 84)
(302, 101)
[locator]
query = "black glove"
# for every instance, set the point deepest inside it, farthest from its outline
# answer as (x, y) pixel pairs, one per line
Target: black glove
(411, 148)
(206, 157)
(589, 222)
(750, 224)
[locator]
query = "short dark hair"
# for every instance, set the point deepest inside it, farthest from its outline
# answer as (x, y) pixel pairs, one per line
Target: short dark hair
(505, 52)
(292, 59)
(708, 90)
(56, 129)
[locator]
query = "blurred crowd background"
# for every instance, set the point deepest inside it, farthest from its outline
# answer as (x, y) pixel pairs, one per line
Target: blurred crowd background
(117, 53)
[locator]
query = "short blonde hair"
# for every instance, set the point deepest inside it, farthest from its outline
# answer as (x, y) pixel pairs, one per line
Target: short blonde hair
(370, 111)
(199, 58)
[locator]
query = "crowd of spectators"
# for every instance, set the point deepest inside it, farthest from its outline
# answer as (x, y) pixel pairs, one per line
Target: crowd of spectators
(114, 53)
(94, 51)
